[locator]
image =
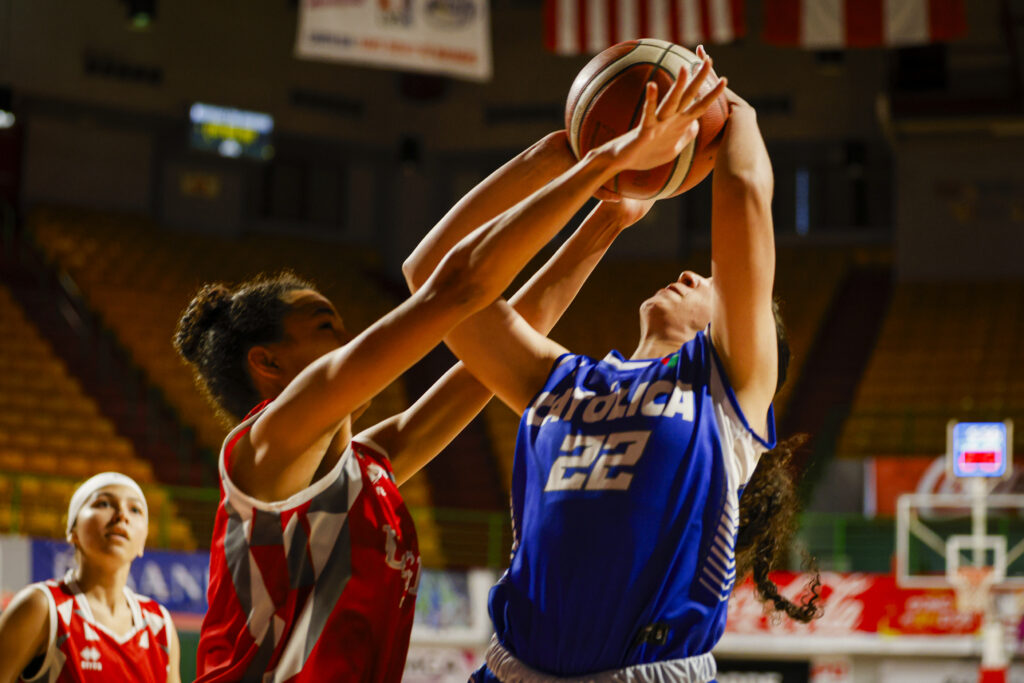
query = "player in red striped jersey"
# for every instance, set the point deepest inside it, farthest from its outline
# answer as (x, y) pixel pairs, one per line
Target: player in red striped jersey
(314, 562)
(89, 626)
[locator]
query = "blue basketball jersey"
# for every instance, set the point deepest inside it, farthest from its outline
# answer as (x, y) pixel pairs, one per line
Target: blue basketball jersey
(625, 506)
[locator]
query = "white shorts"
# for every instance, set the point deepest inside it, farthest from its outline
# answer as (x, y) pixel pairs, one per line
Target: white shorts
(699, 669)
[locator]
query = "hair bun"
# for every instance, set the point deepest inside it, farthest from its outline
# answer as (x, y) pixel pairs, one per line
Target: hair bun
(206, 308)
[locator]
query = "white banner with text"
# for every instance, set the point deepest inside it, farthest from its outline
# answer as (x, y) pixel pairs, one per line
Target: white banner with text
(451, 37)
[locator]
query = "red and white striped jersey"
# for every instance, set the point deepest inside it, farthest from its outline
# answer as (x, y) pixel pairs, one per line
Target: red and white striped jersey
(318, 587)
(82, 650)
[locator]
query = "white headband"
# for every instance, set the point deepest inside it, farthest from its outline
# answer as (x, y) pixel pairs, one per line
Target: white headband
(93, 485)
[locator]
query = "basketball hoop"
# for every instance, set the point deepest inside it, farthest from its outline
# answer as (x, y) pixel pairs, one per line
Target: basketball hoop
(973, 587)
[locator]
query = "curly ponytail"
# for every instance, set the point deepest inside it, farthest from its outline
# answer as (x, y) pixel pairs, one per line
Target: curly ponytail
(768, 510)
(221, 324)
(203, 313)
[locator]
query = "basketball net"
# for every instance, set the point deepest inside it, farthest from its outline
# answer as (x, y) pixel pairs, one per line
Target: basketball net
(973, 588)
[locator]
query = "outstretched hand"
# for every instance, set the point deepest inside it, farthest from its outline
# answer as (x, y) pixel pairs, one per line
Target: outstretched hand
(666, 129)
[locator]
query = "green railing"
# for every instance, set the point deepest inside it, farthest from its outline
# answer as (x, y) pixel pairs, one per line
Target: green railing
(454, 538)
(23, 494)
(844, 542)
(449, 537)
(462, 538)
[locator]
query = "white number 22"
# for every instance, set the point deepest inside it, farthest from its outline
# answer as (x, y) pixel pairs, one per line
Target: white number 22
(621, 449)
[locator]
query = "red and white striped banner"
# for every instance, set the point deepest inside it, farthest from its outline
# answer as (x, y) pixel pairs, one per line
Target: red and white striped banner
(588, 26)
(838, 24)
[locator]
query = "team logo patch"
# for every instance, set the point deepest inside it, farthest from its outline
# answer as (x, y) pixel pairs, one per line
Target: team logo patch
(91, 659)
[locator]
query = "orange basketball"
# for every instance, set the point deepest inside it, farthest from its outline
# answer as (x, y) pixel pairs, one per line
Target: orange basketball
(606, 100)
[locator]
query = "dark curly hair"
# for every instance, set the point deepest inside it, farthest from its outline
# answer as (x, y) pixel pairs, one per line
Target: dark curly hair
(768, 510)
(221, 324)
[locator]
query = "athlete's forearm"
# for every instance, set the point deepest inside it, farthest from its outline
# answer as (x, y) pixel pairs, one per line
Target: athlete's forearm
(454, 400)
(486, 260)
(742, 157)
(491, 256)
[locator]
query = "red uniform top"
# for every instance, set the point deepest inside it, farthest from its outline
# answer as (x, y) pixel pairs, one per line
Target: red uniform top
(82, 650)
(318, 587)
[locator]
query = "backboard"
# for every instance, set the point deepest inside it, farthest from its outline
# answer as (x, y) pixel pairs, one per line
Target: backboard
(980, 449)
(938, 533)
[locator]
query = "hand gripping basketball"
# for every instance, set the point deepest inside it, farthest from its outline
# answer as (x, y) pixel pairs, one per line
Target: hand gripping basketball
(666, 129)
(609, 97)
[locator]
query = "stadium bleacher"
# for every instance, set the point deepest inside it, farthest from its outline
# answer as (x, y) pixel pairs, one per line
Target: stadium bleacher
(946, 350)
(139, 278)
(53, 436)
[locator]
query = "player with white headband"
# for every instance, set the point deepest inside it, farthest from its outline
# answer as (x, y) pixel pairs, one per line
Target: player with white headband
(89, 626)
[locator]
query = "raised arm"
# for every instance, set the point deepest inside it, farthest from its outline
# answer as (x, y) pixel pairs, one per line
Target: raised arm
(743, 263)
(502, 349)
(472, 274)
(415, 436)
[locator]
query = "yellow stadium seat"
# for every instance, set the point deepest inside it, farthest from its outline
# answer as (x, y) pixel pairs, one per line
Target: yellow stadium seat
(43, 522)
(11, 459)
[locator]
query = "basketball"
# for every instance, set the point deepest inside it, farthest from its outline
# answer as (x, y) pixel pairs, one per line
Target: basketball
(606, 100)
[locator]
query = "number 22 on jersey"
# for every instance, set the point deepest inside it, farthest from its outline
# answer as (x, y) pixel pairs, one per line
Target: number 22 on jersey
(590, 459)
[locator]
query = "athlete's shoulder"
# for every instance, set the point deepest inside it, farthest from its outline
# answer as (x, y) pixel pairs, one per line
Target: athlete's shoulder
(27, 616)
(49, 590)
(32, 598)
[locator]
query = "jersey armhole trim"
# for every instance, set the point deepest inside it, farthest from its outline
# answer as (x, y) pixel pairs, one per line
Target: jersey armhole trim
(167, 619)
(232, 492)
(169, 630)
(554, 365)
(51, 642)
(769, 442)
(364, 440)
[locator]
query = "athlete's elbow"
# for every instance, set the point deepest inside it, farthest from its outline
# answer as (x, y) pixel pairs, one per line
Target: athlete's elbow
(756, 182)
(414, 271)
(459, 285)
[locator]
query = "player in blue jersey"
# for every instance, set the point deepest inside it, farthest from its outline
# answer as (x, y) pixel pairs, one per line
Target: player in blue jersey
(629, 473)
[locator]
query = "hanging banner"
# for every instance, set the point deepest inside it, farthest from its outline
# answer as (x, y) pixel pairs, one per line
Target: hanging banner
(842, 24)
(572, 27)
(438, 36)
